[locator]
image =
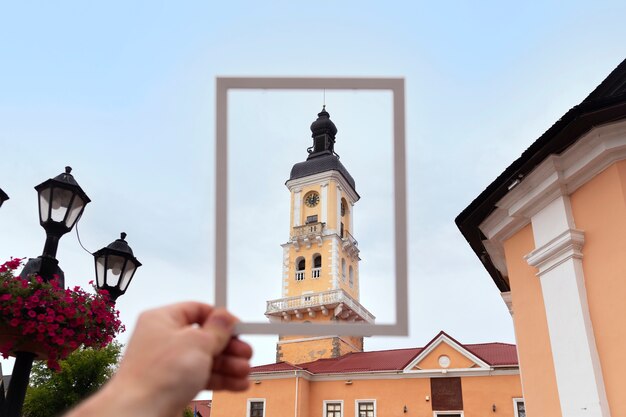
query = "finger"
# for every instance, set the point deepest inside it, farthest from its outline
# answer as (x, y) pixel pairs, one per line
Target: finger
(225, 382)
(187, 313)
(237, 347)
(231, 366)
(220, 324)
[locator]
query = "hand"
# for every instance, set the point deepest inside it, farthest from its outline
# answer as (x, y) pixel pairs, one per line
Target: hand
(174, 352)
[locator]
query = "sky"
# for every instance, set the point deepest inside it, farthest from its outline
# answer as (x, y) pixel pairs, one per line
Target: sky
(124, 93)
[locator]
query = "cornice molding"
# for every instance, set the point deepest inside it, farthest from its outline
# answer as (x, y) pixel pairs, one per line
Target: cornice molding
(508, 300)
(557, 175)
(322, 177)
(385, 375)
(565, 246)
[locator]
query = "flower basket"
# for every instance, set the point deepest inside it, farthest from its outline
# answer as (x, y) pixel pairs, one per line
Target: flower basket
(13, 341)
(49, 321)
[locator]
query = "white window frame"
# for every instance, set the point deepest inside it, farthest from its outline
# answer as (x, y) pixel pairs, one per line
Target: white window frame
(515, 401)
(396, 87)
(356, 406)
(256, 400)
(333, 402)
(447, 412)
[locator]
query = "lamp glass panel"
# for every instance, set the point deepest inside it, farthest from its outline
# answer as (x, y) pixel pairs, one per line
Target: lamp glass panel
(115, 267)
(100, 270)
(44, 204)
(128, 275)
(61, 199)
(77, 206)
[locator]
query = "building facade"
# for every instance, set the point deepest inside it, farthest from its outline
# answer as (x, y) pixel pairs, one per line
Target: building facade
(443, 379)
(550, 230)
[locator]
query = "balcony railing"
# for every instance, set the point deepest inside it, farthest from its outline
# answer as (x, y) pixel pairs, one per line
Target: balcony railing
(349, 238)
(326, 299)
(308, 229)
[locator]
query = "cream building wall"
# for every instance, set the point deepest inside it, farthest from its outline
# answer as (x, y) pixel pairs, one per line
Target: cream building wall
(559, 236)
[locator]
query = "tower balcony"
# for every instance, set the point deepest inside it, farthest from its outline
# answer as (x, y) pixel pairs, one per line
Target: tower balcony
(307, 234)
(350, 244)
(336, 302)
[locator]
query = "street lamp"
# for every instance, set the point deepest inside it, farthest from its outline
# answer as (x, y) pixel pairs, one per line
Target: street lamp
(3, 197)
(61, 203)
(115, 267)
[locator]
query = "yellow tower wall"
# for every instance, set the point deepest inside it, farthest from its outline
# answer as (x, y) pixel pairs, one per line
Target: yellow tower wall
(308, 348)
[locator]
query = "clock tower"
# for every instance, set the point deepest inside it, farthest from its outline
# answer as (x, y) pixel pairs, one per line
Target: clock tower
(320, 281)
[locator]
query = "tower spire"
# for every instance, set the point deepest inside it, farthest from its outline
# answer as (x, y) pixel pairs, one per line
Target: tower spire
(323, 132)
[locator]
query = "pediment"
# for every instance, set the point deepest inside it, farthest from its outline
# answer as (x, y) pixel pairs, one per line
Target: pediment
(444, 353)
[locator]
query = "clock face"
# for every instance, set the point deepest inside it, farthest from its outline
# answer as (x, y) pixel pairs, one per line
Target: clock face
(311, 199)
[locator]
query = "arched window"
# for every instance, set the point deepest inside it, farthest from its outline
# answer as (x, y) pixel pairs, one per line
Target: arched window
(343, 270)
(317, 266)
(300, 266)
(351, 276)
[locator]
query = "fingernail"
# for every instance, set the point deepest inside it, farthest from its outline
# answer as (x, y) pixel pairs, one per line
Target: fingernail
(220, 321)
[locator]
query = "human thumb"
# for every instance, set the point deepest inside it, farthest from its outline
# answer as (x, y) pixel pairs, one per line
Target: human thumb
(221, 324)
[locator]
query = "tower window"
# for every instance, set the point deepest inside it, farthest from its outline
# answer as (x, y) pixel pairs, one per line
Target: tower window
(300, 266)
(311, 219)
(317, 266)
(343, 270)
(343, 207)
(351, 277)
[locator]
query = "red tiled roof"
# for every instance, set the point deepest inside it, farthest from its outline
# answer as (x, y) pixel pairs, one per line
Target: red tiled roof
(382, 360)
(494, 354)
(203, 407)
(276, 367)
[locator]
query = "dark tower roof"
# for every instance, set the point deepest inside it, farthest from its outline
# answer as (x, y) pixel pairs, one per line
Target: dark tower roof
(322, 156)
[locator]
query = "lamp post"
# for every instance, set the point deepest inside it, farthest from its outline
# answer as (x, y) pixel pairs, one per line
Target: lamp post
(115, 267)
(3, 197)
(61, 203)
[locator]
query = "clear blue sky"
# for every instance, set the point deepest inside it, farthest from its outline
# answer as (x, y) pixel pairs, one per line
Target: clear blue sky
(124, 93)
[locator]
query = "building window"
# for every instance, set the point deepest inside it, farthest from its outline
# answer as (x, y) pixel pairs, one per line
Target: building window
(300, 266)
(317, 266)
(333, 408)
(256, 408)
(343, 270)
(519, 407)
(311, 219)
(343, 207)
(351, 277)
(366, 408)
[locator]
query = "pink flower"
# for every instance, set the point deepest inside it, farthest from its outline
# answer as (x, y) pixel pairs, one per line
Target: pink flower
(58, 319)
